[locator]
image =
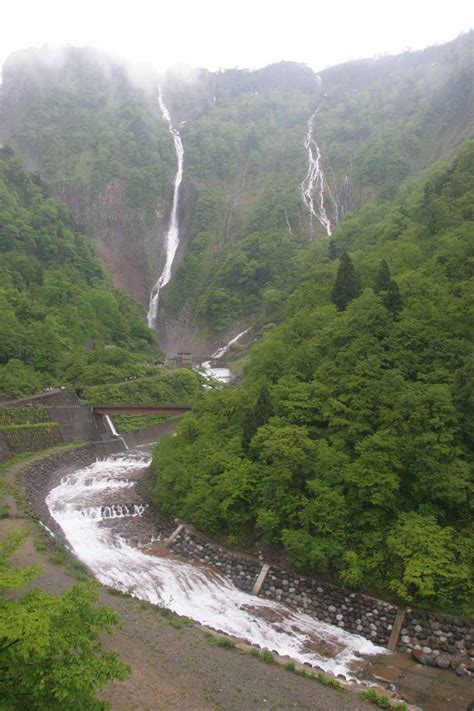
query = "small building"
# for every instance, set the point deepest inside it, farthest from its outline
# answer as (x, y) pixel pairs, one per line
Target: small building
(184, 359)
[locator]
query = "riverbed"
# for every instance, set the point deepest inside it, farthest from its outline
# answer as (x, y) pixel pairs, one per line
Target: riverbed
(106, 524)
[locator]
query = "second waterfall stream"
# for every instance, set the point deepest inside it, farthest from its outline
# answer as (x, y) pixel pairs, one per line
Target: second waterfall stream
(172, 233)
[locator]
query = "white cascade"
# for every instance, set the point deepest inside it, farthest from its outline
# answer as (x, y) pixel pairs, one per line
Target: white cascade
(222, 375)
(113, 431)
(314, 180)
(95, 532)
(172, 234)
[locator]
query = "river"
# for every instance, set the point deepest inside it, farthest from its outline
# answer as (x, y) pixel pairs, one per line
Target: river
(106, 525)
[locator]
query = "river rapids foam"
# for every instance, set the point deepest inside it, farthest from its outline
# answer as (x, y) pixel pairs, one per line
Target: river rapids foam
(192, 590)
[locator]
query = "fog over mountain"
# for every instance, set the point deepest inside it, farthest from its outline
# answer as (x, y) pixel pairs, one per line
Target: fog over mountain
(214, 34)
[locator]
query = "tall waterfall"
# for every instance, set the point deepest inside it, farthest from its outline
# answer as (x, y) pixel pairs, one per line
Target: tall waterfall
(172, 234)
(314, 180)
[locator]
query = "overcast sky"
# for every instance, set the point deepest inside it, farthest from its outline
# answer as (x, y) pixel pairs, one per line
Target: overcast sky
(245, 33)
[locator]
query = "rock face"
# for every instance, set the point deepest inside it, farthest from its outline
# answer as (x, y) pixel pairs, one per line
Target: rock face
(131, 248)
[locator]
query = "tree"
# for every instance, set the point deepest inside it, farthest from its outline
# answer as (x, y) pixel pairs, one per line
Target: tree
(393, 300)
(347, 286)
(257, 416)
(384, 278)
(51, 650)
(391, 294)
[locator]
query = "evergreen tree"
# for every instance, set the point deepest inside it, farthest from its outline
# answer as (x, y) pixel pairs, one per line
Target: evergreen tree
(257, 416)
(383, 278)
(347, 286)
(393, 300)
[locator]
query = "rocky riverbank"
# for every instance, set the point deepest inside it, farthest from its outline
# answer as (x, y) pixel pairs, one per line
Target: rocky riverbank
(435, 640)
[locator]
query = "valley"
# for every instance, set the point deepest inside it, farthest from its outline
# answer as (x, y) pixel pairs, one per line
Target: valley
(282, 260)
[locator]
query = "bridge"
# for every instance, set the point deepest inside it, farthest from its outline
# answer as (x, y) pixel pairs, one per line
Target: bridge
(140, 409)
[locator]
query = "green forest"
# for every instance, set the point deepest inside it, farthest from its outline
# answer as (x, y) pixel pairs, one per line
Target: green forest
(344, 448)
(349, 444)
(61, 322)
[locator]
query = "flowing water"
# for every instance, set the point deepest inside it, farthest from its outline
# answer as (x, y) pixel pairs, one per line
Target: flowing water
(223, 375)
(172, 235)
(101, 515)
(314, 180)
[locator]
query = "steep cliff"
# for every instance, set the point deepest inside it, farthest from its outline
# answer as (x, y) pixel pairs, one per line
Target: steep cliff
(95, 133)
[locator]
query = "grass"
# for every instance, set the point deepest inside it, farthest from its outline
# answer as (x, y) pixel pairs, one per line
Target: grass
(383, 702)
(32, 426)
(263, 654)
(60, 556)
(328, 681)
(176, 621)
(225, 642)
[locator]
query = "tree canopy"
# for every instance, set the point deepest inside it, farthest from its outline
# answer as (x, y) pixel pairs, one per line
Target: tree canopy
(349, 443)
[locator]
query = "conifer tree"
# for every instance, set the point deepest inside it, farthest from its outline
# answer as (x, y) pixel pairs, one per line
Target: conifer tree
(257, 416)
(383, 278)
(393, 300)
(347, 286)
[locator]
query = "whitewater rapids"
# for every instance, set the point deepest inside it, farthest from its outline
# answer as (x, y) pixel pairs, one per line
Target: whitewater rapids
(81, 505)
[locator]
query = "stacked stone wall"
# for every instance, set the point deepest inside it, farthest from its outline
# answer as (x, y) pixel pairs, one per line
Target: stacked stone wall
(438, 640)
(25, 438)
(241, 570)
(353, 612)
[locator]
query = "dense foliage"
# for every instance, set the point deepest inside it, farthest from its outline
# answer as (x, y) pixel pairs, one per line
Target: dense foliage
(378, 121)
(350, 442)
(51, 655)
(60, 320)
(96, 136)
(174, 385)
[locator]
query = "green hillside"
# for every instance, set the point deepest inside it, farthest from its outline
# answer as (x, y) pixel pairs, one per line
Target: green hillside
(60, 319)
(350, 441)
(95, 133)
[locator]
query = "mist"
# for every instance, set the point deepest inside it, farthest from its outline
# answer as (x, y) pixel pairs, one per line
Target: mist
(217, 35)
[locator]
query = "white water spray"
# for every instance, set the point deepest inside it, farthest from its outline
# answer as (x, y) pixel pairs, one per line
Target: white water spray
(95, 531)
(314, 180)
(172, 235)
(223, 375)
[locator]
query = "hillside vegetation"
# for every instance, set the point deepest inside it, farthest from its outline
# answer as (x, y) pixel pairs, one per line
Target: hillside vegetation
(60, 319)
(350, 442)
(96, 135)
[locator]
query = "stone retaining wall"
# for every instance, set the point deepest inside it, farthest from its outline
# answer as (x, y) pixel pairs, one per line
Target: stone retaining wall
(41, 476)
(241, 570)
(353, 612)
(28, 439)
(438, 640)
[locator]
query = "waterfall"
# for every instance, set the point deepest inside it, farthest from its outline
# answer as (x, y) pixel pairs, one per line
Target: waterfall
(113, 431)
(221, 351)
(314, 180)
(172, 234)
(222, 375)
